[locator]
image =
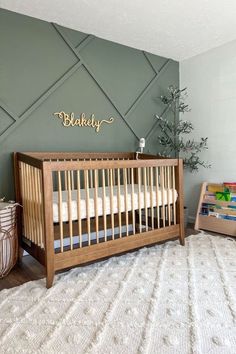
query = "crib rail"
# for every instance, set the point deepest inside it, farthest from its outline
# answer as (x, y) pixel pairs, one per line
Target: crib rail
(68, 156)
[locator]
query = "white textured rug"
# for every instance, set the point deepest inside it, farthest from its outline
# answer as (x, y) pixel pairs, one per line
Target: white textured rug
(164, 299)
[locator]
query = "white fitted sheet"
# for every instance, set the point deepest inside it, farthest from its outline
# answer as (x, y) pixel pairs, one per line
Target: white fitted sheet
(168, 194)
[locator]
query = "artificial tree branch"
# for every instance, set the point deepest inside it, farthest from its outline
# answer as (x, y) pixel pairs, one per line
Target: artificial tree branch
(172, 131)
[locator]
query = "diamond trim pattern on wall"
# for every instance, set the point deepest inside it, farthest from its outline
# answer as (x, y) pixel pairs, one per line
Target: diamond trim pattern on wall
(3, 124)
(17, 120)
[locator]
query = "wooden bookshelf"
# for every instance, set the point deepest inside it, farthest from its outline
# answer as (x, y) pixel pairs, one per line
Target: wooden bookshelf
(208, 222)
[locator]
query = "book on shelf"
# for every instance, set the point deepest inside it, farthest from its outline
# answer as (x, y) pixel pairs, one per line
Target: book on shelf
(217, 208)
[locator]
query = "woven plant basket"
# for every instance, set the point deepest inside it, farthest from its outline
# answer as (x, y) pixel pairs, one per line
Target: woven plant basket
(8, 238)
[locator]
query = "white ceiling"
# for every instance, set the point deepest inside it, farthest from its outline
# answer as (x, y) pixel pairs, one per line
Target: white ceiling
(177, 29)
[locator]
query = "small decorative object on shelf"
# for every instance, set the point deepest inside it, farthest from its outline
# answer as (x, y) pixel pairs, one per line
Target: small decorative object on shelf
(217, 208)
(8, 237)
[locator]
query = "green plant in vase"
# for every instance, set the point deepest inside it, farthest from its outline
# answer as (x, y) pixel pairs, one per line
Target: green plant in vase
(173, 132)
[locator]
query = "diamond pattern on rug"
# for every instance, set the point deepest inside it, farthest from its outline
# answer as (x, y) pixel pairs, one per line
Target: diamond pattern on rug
(164, 299)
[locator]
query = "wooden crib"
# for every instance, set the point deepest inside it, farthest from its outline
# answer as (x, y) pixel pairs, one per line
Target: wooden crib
(80, 207)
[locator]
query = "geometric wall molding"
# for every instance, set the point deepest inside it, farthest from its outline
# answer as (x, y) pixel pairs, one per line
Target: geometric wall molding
(76, 49)
(101, 86)
(6, 120)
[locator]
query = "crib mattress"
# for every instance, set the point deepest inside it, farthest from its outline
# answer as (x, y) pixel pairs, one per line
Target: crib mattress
(168, 195)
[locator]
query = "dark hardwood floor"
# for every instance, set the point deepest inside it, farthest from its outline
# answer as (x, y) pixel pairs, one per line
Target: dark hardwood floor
(29, 269)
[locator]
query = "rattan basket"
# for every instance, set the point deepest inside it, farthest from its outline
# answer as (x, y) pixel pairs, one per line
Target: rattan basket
(8, 238)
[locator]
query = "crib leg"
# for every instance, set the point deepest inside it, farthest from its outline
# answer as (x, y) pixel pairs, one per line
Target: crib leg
(20, 254)
(180, 201)
(182, 241)
(49, 279)
(181, 234)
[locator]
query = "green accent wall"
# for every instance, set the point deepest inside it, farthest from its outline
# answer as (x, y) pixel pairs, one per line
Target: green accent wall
(45, 68)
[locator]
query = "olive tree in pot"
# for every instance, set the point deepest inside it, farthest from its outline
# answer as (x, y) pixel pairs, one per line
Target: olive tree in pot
(173, 133)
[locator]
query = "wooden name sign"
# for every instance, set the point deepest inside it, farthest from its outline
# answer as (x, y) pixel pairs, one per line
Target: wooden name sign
(69, 120)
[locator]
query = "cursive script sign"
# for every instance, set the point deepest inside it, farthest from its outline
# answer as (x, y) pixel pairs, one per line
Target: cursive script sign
(69, 120)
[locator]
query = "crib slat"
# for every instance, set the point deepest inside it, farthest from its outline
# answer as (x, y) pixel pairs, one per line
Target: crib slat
(118, 201)
(168, 195)
(60, 209)
(96, 203)
(21, 171)
(31, 198)
(107, 175)
(65, 180)
(33, 211)
(27, 220)
(91, 176)
(111, 203)
(78, 209)
(173, 195)
(37, 206)
(69, 209)
(104, 204)
(148, 177)
(139, 200)
(151, 197)
(166, 177)
(145, 197)
(28, 195)
(37, 190)
(72, 179)
(114, 175)
(126, 201)
(87, 204)
(157, 197)
(33, 215)
(132, 199)
(39, 182)
(25, 200)
(128, 176)
(162, 195)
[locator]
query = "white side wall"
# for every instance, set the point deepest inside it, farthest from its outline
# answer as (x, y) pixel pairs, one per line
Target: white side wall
(211, 82)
